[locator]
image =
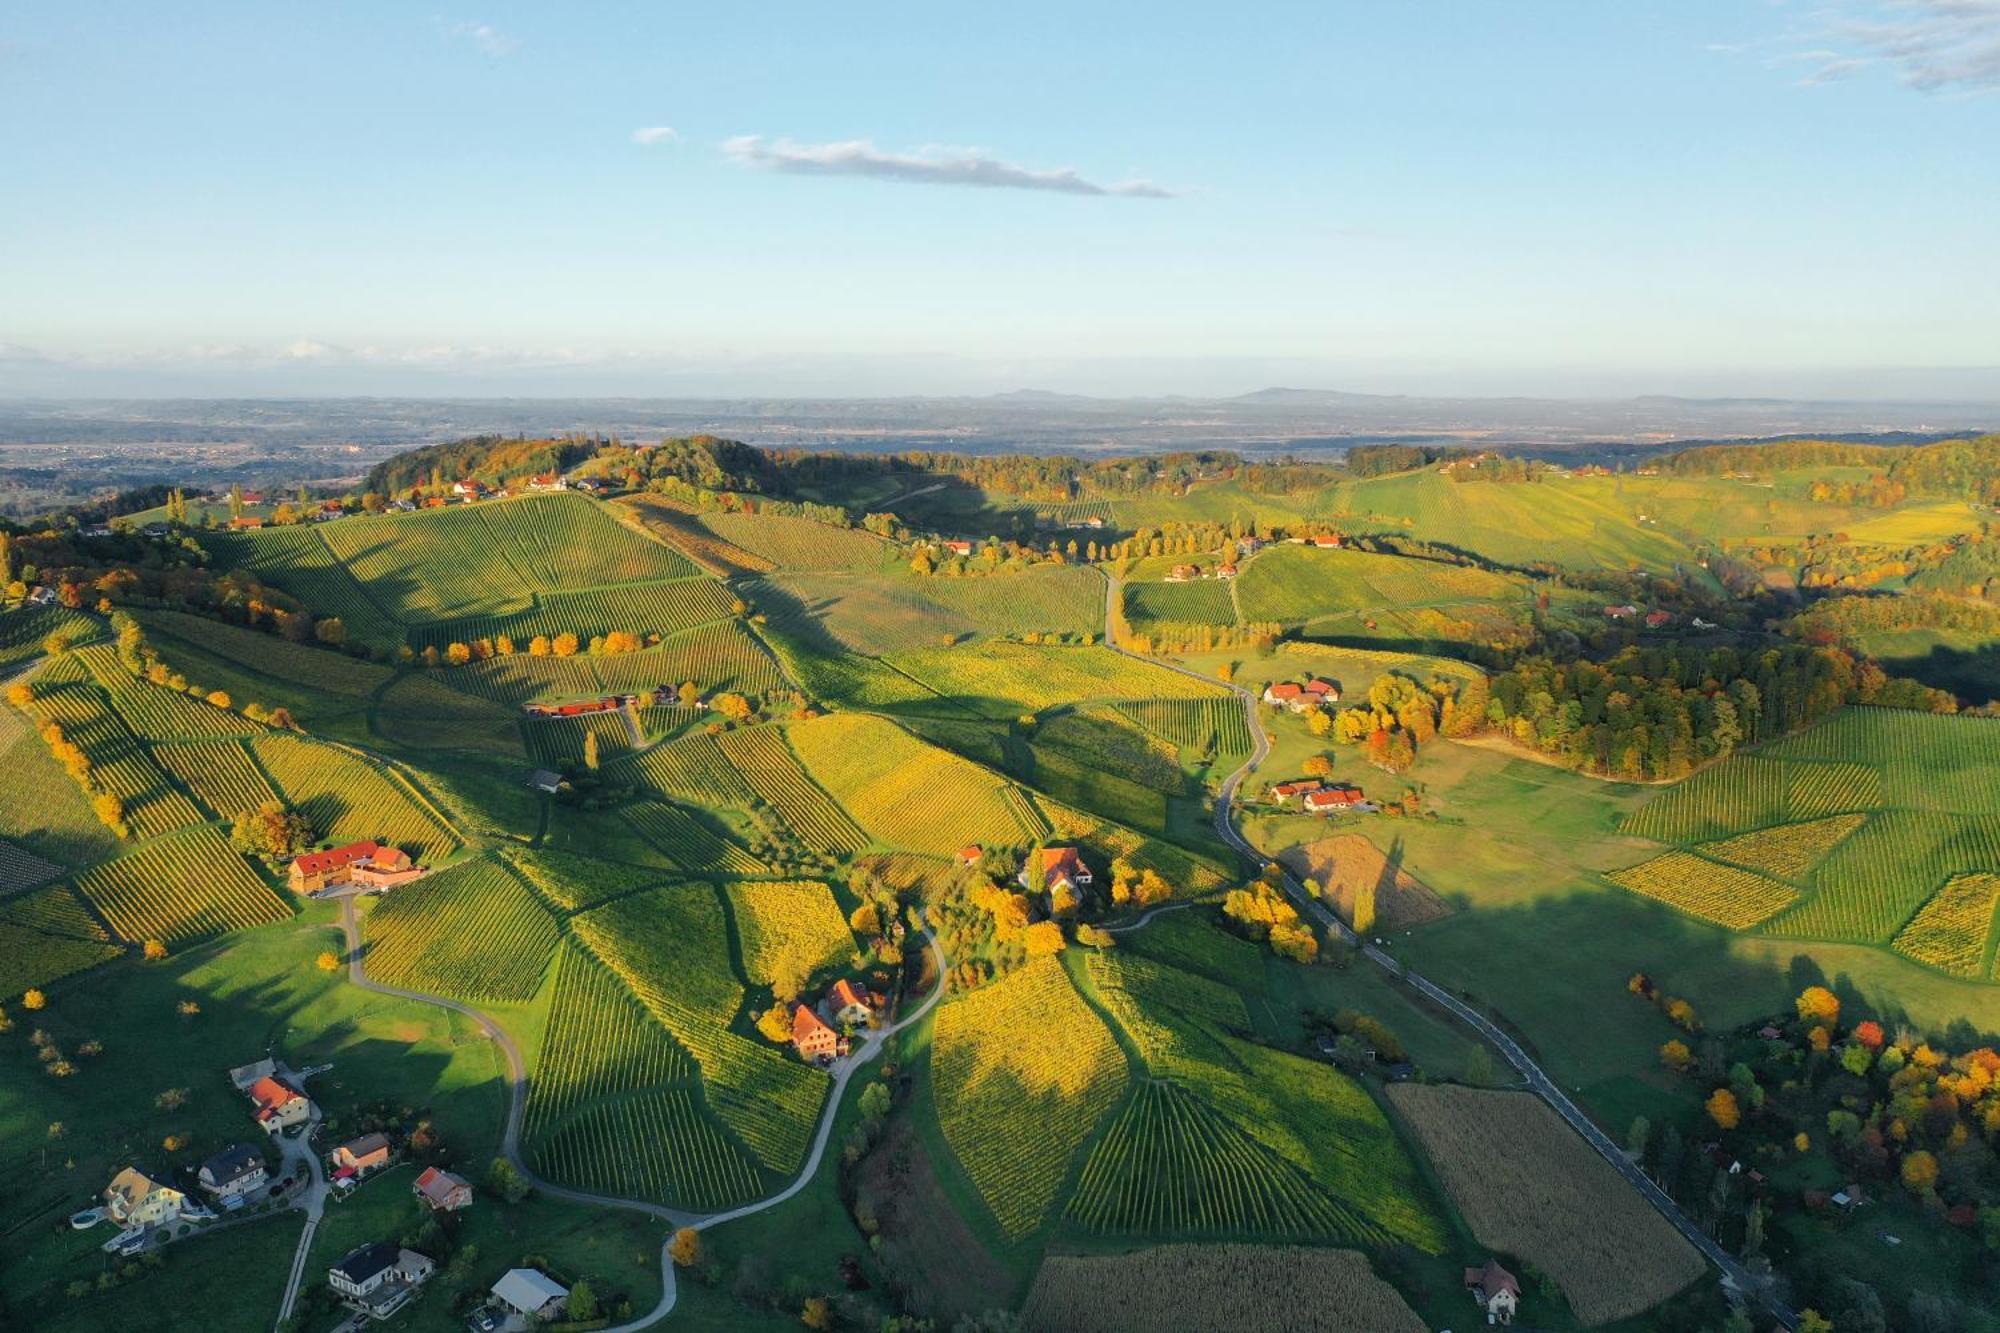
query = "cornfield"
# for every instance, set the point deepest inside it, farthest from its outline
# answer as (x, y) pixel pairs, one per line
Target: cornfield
(1528, 1186)
(1215, 1286)
(1022, 1070)
(1714, 892)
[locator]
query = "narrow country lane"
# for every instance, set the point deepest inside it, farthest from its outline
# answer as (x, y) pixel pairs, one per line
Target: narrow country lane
(517, 1097)
(1532, 1073)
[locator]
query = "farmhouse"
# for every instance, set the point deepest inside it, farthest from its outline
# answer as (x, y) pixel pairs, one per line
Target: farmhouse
(1225, 571)
(1052, 868)
(233, 1173)
(1283, 692)
(245, 1075)
(1321, 691)
(546, 481)
(1283, 792)
(1656, 619)
(1494, 1290)
(469, 489)
(1182, 573)
(971, 854)
(369, 865)
(1327, 541)
(135, 1199)
(812, 1038)
(357, 1157)
(958, 547)
(531, 1293)
(1625, 612)
(380, 1278)
(1333, 800)
(279, 1105)
(849, 1003)
(441, 1191)
(245, 523)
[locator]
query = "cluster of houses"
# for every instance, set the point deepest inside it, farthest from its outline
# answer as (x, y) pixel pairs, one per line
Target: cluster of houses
(1301, 695)
(1653, 619)
(1316, 797)
(369, 867)
(1189, 573)
(660, 696)
(819, 1032)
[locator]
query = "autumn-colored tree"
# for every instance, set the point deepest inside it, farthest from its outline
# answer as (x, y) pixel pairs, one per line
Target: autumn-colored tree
(1920, 1172)
(33, 999)
(865, 920)
(1042, 939)
(21, 694)
(689, 694)
(538, 646)
(1226, 672)
(1682, 1015)
(776, 1023)
(328, 961)
(563, 645)
(590, 750)
(175, 1142)
(1675, 1055)
(219, 698)
(187, 1009)
(1869, 1034)
(110, 812)
(1818, 1006)
(733, 706)
(1317, 766)
(1095, 937)
(1812, 1321)
(457, 654)
(816, 1314)
(1723, 1110)
(1802, 1141)
(153, 951)
(686, 1247)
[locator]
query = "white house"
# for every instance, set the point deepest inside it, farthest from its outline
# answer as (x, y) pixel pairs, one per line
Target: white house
(1494, 1290)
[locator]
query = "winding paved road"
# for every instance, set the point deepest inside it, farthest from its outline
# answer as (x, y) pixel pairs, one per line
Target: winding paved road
(510, 1138)
(1532, 1073)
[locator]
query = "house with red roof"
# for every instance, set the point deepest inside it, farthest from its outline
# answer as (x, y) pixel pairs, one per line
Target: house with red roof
(1333, 800)
(1283, 692)
(1182, 573)
(813, 1038)
(547, 481)
(1327, 541)
(1225, 571)
(1052, 868)
(1656, 619)
(971, 854)
(958, 546)
(1321, 691)
(441, 1191)
(470, 489)
(369, 865)
(848, 1003)
(279, 1105)
(1494, 1290)
(1283, 792)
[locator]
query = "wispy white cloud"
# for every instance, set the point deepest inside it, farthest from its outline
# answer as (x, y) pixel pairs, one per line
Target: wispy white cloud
(653, 134)
(1932, 45)
(485, 37)
(930, 166)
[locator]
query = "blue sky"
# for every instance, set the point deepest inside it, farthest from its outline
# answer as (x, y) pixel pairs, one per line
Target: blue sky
(1683, 196)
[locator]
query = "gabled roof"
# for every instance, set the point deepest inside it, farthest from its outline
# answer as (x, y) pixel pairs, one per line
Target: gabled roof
(232, 1163)
(972, 851)
(272, 1095)
(366, 1144)
(437, 1185)
(333, 858)
(844, 994)
(1334, 796)
(1284, 689)
(132, 1185)
(1317, 686)
(358, 1265)
(1294, 788)
(529, 1289)
(806, 1025)
(1053, 861)
(1492, 1279)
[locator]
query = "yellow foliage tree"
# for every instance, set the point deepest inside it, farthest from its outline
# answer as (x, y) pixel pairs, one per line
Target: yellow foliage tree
(33, 999)
(328, 961)
(1364, 908)
(816, 1313)
(1042, 939)
(154, 951)
(1675, 1055)
(1723, 1110)
(1819, 1006)
(776, 1023)
(686, 1247)
(1920, 1172)
(563, 645)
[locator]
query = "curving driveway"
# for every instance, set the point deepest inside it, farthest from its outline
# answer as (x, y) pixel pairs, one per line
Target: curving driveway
(517, 1097)
(1532, 1073)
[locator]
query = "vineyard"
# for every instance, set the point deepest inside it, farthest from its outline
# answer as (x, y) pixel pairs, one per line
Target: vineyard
(1334, 1165)
(1953, 932)
(1015, 1112)
(788, 542)
(318, 669)
(40, 807)
(1195, 727)
(1105, 741)
(692, 769)
(671, 947)
(613, 1105)
(1191, 875)
(1184, 941)
(773, 771)
(571, 882)
(348, 799)
(1726, 895)
(23, 629)
(1529, 1186)
(1881, 874)
(155, 712)
(1169, 1165)
(46, 936)
(556, 741)
(1215, 1286)
(418, 712)
(896, 786)
(119, 764)
(689, 843)
(1203, 603)
(180, 888)
(899, 611)
(297, 560)
(1296, 585)
(22, 869)
(675, 524)
(1004, 679)
(639, 608)
(473, 931)
(790, 928)
(1785, 850)
(221, 775)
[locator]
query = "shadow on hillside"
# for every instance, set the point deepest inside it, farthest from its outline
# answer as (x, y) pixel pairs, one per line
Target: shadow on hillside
(1972, 675)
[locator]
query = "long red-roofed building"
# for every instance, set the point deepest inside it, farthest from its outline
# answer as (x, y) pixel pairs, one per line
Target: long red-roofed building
(369, 864)
(812, 1037)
